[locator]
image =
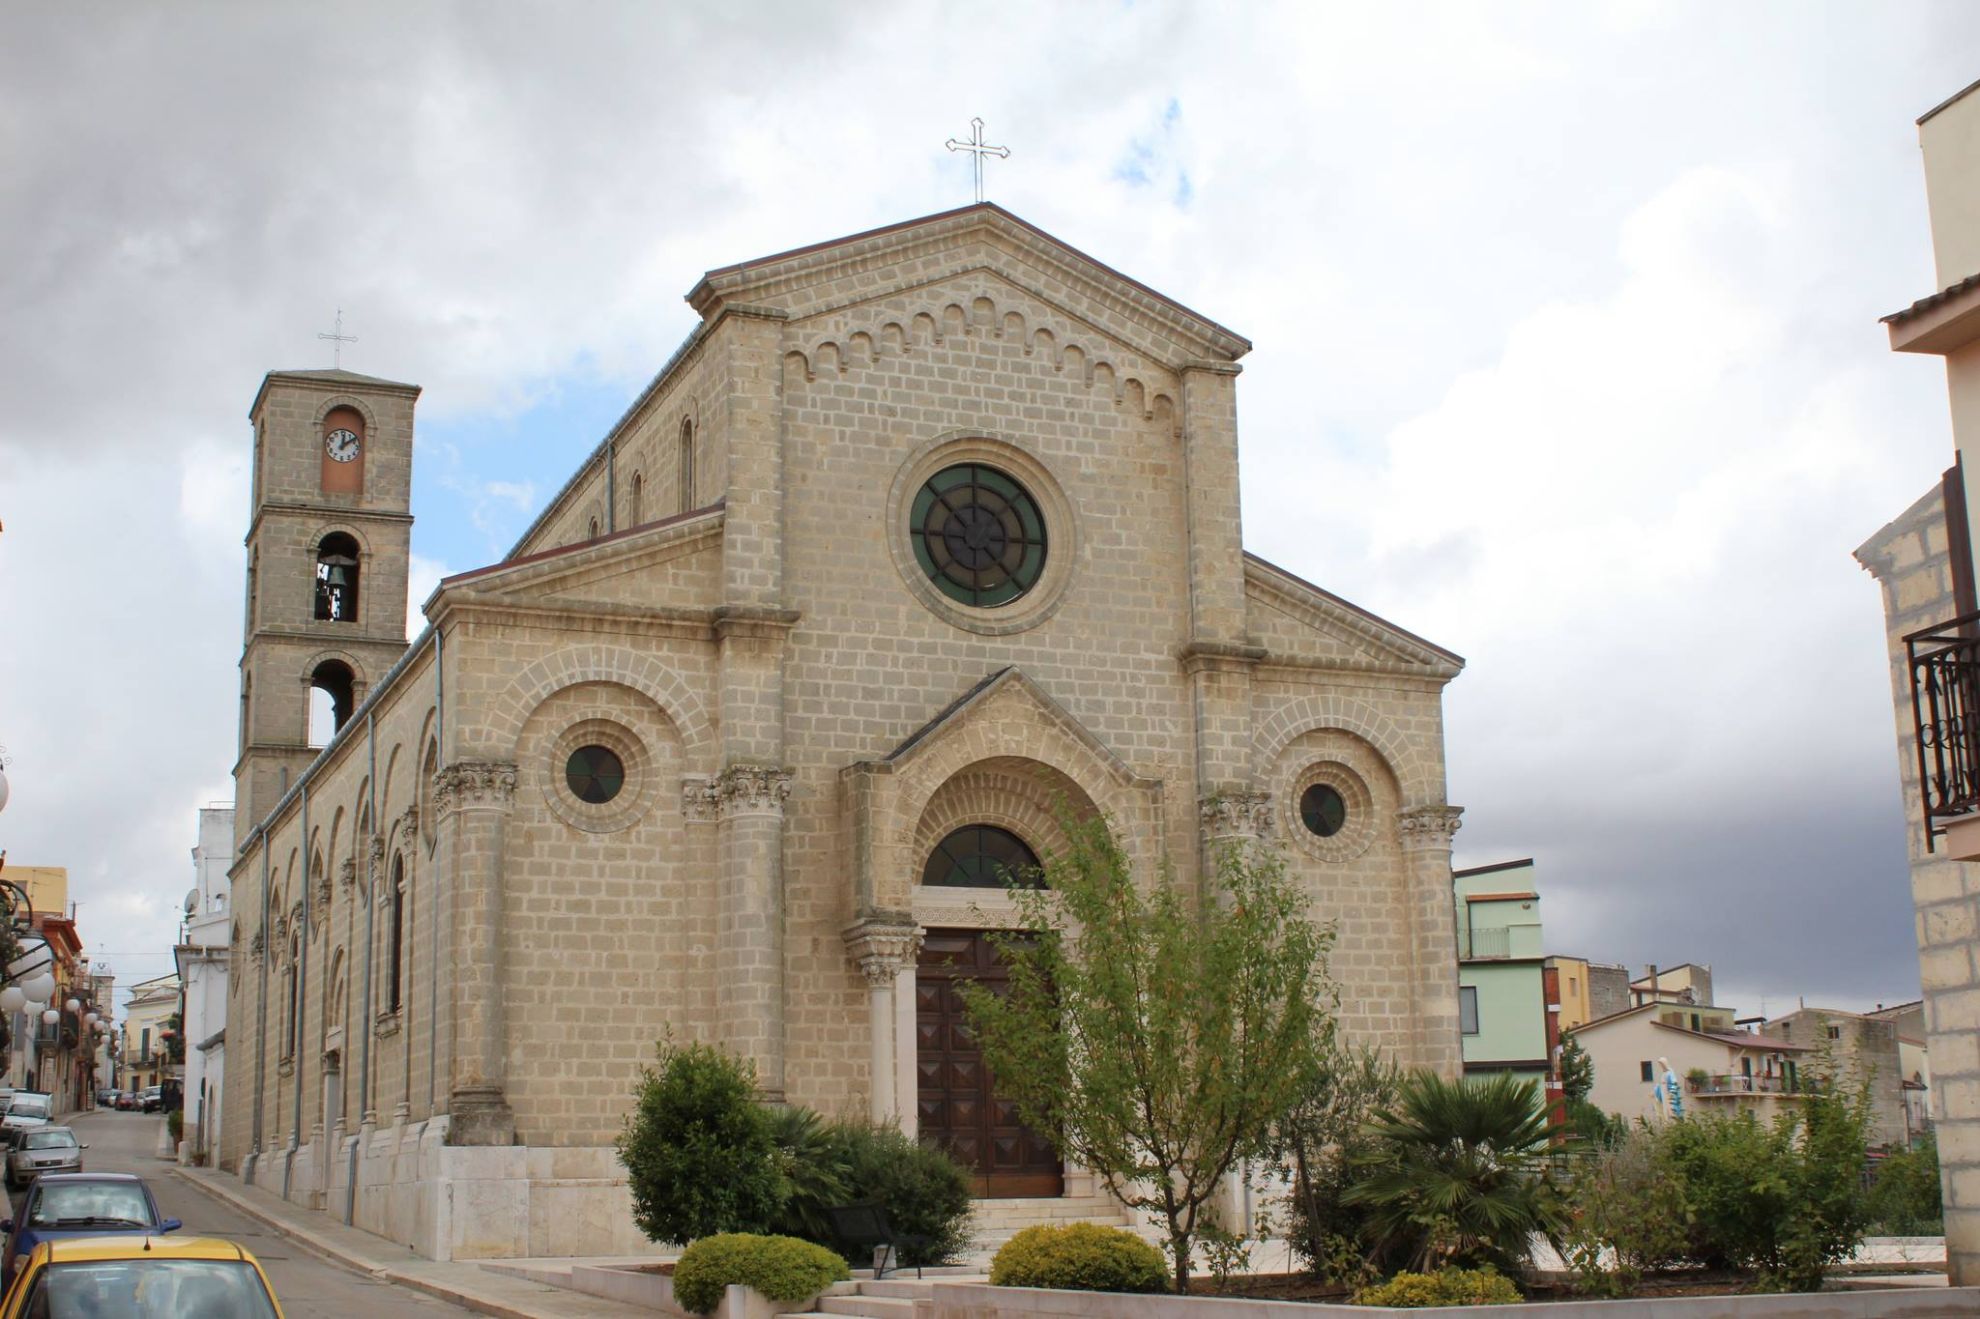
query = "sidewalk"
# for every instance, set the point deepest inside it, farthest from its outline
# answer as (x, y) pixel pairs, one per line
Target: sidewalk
(465, 1283)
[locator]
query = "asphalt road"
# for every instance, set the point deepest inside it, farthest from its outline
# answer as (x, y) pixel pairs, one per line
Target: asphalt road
(308, 1287)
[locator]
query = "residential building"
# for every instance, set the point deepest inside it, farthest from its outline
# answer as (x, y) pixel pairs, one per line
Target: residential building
(1924, 564)
(1720, 1067)
(1688, 983)
(926, 537)
(1914, 1061)
(1503, 1012)
(1588, 990)
(1854, 1046)
(202, 958)
(147, 1016)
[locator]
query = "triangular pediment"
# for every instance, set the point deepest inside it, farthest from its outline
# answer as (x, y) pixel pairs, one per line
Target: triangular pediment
(883, 263)
(1299, 623)
(1005, 693)
(657, 565)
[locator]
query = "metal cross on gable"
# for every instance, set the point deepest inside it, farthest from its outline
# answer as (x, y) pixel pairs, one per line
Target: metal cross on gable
(338, 339)
(978, 149)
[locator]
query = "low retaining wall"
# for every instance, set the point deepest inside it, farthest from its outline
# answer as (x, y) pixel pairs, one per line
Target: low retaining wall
(647, 1289)
(973, 1300)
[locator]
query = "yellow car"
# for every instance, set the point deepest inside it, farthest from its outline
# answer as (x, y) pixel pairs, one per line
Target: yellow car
(140, 1277)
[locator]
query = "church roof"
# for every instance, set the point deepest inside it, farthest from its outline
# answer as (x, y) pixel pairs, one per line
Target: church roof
(722, 282)
(334, 376)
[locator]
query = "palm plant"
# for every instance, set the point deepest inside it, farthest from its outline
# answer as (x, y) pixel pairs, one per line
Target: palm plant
(1457, 1174)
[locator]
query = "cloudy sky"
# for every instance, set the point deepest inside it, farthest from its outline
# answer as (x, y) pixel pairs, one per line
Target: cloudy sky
(1567, 358)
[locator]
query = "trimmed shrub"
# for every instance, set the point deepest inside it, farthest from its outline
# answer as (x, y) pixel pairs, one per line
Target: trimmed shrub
(925, 1192)
(1422, 1291)
(1079, 1257)
(782, 1268)
(699, 1152)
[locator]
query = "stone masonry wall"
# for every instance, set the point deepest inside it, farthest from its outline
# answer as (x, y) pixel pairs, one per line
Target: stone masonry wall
(1909, 560)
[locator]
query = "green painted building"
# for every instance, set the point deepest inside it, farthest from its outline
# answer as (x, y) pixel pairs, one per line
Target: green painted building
(1502, 999)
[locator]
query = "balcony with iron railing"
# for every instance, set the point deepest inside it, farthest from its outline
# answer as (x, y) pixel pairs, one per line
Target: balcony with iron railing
(1493, 942)
(1738, 1083)
(1944, 666)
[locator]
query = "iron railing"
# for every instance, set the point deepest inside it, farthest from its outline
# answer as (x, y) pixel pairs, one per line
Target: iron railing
(1738, 1083)
(1491, 942)
(1944, 663)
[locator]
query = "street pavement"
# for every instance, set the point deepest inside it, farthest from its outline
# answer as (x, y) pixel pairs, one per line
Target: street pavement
(308, 1287)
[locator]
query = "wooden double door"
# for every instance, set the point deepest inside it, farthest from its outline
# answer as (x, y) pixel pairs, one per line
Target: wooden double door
(956, 1101)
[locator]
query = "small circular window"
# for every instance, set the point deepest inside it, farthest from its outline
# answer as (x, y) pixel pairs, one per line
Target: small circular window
(1322, 810)
(595, 774)
(978, 535)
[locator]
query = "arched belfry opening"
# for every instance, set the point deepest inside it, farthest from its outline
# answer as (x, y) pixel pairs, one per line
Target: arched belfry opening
(332, 697)
(337, 578)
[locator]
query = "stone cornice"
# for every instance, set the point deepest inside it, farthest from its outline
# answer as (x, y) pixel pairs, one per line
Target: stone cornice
(474, 785)
(1209, 366)
(1218, 657)
(754, 621)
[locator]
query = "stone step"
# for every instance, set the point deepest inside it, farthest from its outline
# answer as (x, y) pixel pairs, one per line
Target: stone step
(870, 1307)
(896, 1288)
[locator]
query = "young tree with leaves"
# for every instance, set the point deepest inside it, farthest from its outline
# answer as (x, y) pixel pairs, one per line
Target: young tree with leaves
(1157, 1036)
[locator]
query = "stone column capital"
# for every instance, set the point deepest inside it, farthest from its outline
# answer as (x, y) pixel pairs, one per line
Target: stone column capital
(738, 791)
(1425, 827)
(474, 785)
(883, 944)
(1236, 814)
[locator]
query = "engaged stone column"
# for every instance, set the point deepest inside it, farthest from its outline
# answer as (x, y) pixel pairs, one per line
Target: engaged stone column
(472, 799)
(748, 802)
(883, 944)
(1425, 833)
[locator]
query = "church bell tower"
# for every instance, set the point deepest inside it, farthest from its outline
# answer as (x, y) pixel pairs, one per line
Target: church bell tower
(328, 546)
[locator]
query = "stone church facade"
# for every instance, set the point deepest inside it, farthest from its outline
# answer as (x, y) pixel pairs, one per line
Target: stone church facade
(921, 532)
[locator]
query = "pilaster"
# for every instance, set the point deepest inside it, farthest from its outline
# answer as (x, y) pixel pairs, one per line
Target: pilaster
(1425, 833)
(472, 800)
(747, 802)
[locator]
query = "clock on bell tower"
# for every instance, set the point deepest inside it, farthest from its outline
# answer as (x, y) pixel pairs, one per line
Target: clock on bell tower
(329, 543)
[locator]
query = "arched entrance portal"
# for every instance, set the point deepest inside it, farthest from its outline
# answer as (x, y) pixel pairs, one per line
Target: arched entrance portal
(957, 1106)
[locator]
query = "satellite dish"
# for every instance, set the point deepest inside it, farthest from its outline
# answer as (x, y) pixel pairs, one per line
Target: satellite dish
(192, 902)
(3, 789)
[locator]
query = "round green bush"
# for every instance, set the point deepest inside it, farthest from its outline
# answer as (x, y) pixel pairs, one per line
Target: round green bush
(1079, 1257)
(782, 1268)
(1419, 1291)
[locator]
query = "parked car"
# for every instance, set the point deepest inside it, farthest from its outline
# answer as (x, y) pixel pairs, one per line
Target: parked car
(127, 1101)
(188, 1276)
(81, 1204)
(43, 1150)
(153, 1098)
(106, 1097)
(27, 1110)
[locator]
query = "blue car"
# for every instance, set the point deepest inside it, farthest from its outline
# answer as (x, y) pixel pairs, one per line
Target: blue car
(80, 1204)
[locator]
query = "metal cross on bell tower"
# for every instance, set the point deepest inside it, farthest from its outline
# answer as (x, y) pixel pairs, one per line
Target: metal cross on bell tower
(337, 341)
(978, 149)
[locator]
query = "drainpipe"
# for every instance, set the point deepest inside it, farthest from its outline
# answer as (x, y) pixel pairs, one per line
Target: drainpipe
(611, 485)
(365, 1115)
(433, 887)
(301, 1006)
(261, 1017)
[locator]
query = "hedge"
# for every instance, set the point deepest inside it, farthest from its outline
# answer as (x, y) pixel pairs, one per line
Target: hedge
(1415, 1291)
(1079, 1257)
(782, 1268)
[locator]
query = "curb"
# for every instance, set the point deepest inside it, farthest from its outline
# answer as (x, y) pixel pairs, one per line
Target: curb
(355, 1262)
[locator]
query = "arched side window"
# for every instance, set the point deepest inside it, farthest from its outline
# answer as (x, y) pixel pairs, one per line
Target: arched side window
(337, 579)
(637, 482)
(591, 531)
(247, 709)
(294, 997)
(982, 856)
(687, 465)
(332, 697)
(395, 936)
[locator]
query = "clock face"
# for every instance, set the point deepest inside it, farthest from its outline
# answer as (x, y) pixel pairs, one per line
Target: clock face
(341, 445)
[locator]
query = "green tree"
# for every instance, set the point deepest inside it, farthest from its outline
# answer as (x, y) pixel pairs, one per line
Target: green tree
(1459, 1176)
(1157, 1036)
(1318, 1145)
(1905, 1199)
(700, 1154)
(1577, 1070)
